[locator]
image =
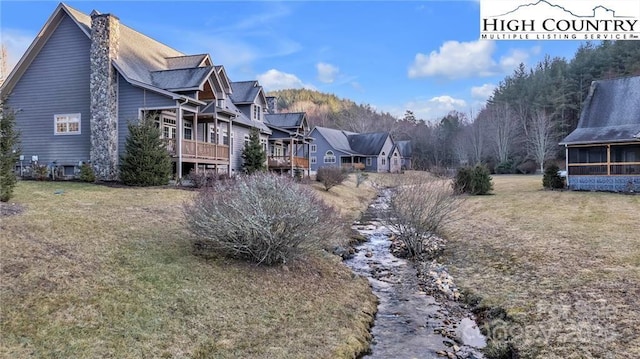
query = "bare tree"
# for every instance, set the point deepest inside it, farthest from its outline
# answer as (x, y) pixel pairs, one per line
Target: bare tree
(475, 137)
(541, 137)
(418, 210)
(503, 130)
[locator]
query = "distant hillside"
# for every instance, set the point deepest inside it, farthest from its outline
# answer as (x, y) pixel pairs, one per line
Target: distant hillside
(328, 110)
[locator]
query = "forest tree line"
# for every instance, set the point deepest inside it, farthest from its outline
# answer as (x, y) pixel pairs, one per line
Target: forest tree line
(516, 131)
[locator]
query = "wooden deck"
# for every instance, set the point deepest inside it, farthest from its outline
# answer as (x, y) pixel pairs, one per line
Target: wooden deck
(284, 162)
(353, 166)
(196, 150)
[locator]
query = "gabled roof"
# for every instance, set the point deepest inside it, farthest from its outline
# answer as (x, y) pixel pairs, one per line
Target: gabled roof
(224, 79)
(181, 79)
(611, 113)
(186, 61)
(246, 92)
(368, 143)
(404, 147)
(337, 139)
(138, 60)
(290, 120)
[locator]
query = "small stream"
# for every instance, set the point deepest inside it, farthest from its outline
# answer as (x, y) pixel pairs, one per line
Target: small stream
(409, 322)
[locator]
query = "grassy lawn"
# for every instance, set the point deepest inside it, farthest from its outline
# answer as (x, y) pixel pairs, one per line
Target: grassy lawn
(92, 271)
(564, 265)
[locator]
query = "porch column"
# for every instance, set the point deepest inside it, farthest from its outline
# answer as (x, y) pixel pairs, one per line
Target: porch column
(195, 136)
(608, 160)
(179, 132)
(229, 127)
(291, 154)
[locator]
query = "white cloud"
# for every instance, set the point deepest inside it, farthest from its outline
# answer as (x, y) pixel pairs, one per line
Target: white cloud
(326, 72)
(435, 108)
(456, 60)
(483, 92)
(511, 61)
(16, 43)
(277, 80)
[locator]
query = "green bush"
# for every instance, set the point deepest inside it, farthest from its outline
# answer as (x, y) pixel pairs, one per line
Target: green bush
(146, 161)
(86, 173)
(253, 155)
(40, 171)
(551, 179)
(9, 154)
(473, 180)
(505, 167)
(264, 218)
(331, 176)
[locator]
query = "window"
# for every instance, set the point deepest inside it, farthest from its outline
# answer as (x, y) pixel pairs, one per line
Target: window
(395, 161)
(212, 134)
(256, 112)
(68, 124)
(314, 148)
(368, 161)
(246, 140)
(384, 159)
(263, 141)
(313, 160)
(221, 102)
(225, 137)
(188, 130)
(168, 127)
(329, 157)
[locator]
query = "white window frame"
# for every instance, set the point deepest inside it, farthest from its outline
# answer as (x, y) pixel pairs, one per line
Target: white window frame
(313, 160)
(67, 120)
(313, 148)
(187, 131)
(369, 161)
(329, 158)
(384, 159)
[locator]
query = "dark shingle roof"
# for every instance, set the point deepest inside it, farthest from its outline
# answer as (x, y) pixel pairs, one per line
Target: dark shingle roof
(244, 91)
(181, 79)
(336, 139)
(611, 113)
(285, 120)
(368, 143)
(405, 148)
(184, 62)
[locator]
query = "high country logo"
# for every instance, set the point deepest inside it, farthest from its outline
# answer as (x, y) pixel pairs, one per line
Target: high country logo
(559, 20)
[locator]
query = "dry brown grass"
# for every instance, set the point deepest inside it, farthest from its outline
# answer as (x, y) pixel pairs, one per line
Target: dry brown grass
(564, 265)
(110, 272)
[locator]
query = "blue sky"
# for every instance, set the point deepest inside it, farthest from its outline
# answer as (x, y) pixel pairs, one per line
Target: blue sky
(423, 56)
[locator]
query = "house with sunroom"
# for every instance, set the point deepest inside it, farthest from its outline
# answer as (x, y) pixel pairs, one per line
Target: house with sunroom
(603, 152)
(371, 152)
(86, 76)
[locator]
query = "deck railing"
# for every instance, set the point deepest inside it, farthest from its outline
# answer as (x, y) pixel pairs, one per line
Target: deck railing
(600, 169)
(353, 166)
(200, 150)
(285, 162)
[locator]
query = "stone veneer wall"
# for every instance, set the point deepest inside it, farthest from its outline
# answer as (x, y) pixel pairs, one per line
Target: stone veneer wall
(604, 183)
(105, 30)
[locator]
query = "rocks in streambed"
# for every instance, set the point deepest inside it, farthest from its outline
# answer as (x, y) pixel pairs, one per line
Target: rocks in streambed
(436, 279)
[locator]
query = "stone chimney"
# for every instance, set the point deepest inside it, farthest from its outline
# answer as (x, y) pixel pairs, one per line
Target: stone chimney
(272, 104)
(105, 33)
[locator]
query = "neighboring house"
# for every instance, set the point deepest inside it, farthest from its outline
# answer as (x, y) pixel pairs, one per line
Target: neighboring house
(404, 147)
(603, 152)
(289, 143)
(248, 98)
(371, 152)
(86, 76)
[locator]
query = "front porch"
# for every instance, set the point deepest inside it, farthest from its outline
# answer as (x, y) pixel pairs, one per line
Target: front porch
(604, 167)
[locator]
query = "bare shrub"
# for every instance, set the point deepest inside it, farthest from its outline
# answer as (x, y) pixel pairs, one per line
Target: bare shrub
(361, 177)
(331, 176)
(417, 212)
(264, 218)
(204, 178)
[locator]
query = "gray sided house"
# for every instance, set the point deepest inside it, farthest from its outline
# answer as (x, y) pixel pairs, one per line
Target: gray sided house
(603, 152)
(85, 77)
(404, 147)
(371, 152)
(289, 143)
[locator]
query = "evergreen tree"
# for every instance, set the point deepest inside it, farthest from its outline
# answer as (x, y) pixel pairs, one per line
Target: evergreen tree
(9, 153)
(146, 161)
(253, 154)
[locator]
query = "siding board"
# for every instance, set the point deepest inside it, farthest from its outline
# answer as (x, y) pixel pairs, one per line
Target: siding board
(56, 82)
